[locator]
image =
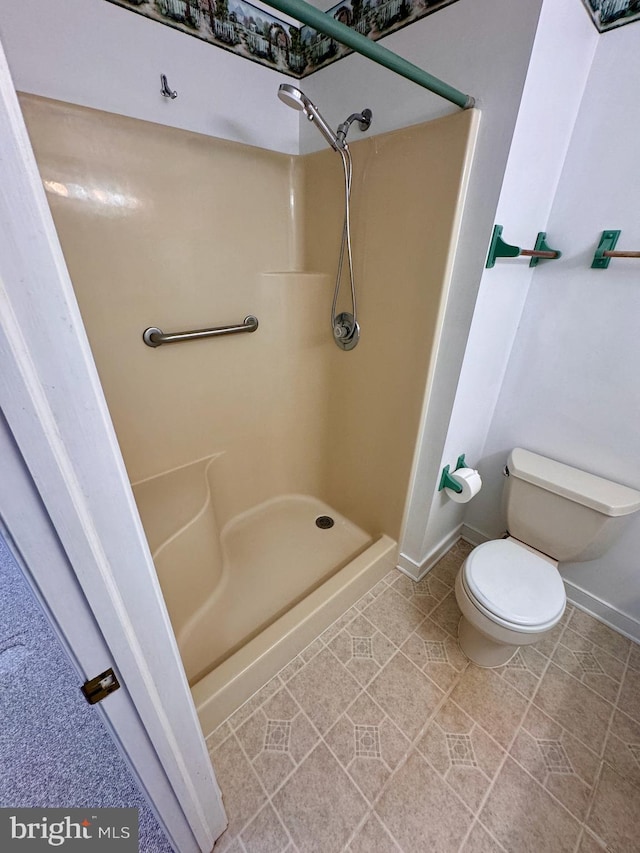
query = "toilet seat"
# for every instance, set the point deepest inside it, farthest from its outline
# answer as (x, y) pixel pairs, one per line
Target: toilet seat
(514, 586)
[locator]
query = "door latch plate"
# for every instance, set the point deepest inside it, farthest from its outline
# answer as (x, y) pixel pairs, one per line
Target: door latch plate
(102, 685)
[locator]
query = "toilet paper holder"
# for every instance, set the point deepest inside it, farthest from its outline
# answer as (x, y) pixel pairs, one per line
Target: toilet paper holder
(447, 481)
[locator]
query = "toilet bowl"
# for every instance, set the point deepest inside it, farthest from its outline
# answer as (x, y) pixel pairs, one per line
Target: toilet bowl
(509, 590)
(510, 596)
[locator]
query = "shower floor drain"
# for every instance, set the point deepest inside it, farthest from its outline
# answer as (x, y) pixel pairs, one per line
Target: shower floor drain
(324, 522)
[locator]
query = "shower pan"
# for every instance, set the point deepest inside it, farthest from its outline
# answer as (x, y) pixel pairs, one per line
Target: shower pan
(243, 448)
(224, 585)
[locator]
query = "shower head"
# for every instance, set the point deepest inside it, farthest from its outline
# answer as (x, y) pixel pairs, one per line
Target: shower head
(293, 97)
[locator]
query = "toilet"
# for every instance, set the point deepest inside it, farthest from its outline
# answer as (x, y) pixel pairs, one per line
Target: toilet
(509, 590)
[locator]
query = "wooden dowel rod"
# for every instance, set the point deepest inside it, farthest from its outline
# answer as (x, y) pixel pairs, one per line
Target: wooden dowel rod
(533, 253)
(619, 254)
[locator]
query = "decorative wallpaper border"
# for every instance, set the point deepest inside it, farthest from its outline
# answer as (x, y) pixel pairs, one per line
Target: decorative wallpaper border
(252, 33)
(609, 14)
(371, 18)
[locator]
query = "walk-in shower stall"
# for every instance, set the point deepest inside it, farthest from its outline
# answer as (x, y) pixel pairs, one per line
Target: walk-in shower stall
(270, 467)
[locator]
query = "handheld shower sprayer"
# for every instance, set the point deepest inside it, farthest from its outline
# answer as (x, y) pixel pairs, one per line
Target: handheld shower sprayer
(345, 328)
(293, 97)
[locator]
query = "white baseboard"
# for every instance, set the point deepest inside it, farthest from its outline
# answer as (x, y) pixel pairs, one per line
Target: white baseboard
(472, 535)
(416, 571)
(602, 611)
(408, 567)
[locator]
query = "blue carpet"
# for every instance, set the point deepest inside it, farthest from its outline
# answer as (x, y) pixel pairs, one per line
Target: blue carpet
(54, 749)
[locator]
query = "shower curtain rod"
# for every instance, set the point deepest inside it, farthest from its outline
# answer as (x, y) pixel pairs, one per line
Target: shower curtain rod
(324, 23)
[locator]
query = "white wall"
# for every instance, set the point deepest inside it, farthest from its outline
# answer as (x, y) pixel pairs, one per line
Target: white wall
(97, 54)
(479, 48)
(564, 47)
(572, 387)
(100, 55)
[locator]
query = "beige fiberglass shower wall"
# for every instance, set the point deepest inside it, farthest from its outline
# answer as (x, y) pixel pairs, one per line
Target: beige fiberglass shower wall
(405, 207)
(235, 445)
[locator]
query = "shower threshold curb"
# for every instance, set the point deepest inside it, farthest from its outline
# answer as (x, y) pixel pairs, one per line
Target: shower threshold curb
(222, 691)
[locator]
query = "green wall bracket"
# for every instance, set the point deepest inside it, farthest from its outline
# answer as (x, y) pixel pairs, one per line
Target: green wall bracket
(446, 481)
(499, 249)
(607, 243)
(541, 247)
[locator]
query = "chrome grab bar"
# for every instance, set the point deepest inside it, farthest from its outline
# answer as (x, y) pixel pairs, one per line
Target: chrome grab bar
(154, 337)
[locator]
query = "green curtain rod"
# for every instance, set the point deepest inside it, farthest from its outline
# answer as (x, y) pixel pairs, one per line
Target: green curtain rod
(324, 23)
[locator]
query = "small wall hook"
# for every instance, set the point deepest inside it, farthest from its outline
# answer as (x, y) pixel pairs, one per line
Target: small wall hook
(166, 91)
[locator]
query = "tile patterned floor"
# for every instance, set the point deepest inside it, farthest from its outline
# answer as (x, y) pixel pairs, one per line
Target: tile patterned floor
(380, 737)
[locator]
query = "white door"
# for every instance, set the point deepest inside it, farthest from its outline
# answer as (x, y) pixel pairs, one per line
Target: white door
(67, 504)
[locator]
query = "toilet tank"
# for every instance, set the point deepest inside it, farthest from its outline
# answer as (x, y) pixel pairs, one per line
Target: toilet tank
(564, 512)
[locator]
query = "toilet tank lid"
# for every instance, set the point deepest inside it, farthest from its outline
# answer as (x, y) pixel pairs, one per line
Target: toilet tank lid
(609, 498)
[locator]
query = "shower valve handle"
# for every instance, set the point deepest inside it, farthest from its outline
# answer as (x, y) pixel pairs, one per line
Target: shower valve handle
(343, 330)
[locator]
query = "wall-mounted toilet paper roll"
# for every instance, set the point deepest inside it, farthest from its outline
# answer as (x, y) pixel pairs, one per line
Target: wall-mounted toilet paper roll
(470, 482)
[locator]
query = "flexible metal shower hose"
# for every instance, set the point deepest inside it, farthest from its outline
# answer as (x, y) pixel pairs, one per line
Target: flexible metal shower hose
(345, 155)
